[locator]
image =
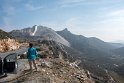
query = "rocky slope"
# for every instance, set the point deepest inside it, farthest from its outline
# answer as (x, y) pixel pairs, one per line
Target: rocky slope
(50, 71)
(53, 67)
(8, 44)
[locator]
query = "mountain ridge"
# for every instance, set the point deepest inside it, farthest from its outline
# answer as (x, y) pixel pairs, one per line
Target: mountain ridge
(39, 33)
(83, 43)
(4, 35)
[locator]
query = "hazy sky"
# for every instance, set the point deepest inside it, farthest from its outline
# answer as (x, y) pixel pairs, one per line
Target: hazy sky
(103, 19)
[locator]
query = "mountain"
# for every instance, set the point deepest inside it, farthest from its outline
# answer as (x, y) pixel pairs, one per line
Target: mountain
(99, 44)
(120, 51)
(96, 55)
(118, 45)
(119, 41)
(39, 33)
(89, 46)
(4, 35)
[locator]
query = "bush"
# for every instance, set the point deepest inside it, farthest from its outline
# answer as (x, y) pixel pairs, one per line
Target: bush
(39, 49)
(23, 56)
(44, 54)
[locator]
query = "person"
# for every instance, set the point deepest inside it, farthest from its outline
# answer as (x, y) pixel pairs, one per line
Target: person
(32, 55)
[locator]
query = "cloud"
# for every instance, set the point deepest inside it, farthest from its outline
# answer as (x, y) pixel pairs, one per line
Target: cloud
(109, 30)
(119, 12)
(78, 22)
(71, 3)
(72, 22)
(112, 16)
(30, 7)
(112, 20)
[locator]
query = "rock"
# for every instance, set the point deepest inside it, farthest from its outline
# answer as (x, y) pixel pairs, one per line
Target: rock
(46, 64)
(8, 44)
(75, 64)
(52, 71)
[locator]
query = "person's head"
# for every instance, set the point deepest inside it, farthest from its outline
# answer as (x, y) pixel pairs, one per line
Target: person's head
(30, 45)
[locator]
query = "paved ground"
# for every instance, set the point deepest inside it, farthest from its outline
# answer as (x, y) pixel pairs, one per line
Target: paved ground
(19, 51)
(22, 66)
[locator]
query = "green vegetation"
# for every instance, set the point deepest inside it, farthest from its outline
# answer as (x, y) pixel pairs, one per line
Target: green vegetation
(23, 56)
(39, 49)
(44, 54)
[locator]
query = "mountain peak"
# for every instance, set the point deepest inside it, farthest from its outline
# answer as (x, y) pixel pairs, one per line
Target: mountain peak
(65, 29)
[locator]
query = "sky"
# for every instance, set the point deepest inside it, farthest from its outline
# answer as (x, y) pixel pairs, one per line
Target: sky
(103, 19)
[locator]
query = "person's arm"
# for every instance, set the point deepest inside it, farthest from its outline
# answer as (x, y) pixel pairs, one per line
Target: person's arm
(35, 51)
(28, 53)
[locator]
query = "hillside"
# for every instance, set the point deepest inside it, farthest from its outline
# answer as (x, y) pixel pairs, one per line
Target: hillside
(7, 42)
(4, 35)
(118, 45)
(50, 71)
(53, 67)
(90, 46)
(96, 55)
(120, 51)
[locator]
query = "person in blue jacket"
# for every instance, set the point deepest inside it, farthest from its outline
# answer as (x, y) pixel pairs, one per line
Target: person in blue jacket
(32, 55)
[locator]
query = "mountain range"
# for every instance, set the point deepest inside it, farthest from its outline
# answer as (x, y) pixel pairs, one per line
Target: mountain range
(96, 55)
(86, 45)
(91, 47)
(65, 37)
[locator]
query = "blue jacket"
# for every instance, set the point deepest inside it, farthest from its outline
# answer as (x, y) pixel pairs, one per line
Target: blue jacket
(32, 53)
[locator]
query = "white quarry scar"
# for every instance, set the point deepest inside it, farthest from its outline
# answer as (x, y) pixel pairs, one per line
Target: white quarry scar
(35, 30)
